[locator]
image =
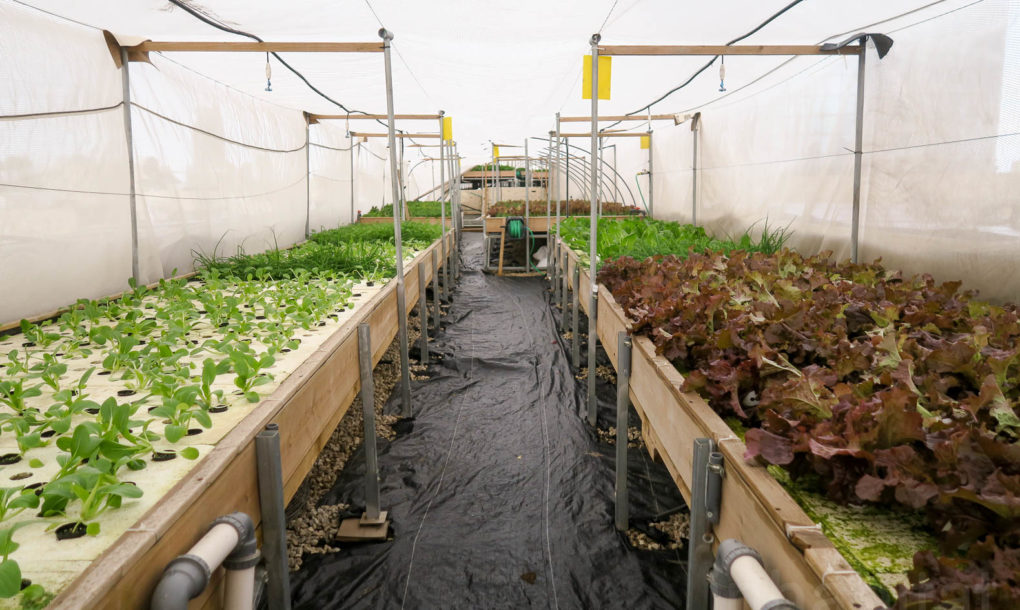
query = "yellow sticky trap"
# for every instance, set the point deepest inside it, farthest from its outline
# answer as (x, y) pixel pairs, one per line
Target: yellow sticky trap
(646, 142)
(448, 128)
(605, 77)
(495, 152)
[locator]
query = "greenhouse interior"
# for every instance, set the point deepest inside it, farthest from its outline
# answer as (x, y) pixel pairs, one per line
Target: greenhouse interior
(616, 304)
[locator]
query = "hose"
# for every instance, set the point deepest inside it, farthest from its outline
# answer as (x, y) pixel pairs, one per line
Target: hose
(515, 230)
(638, 183)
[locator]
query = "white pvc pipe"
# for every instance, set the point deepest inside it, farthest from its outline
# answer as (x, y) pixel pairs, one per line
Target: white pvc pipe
(754, 583)
(240, 590)
(214, 547)
(726, 603)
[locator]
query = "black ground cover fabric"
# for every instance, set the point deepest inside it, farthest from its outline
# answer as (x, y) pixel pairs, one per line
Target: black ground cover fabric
(499, 494)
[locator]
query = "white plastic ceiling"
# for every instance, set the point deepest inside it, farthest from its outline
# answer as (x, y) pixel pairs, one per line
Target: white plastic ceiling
(221, 163)
(501, 70)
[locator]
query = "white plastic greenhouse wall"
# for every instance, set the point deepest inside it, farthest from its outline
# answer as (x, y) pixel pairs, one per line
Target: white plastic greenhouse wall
(217, 169)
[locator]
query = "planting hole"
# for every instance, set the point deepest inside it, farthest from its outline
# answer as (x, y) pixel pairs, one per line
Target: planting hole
(28, 344)
(218, 409)
(104, 372)
(163, 456)
(10, 458)
(69, 531)
(48, 433)
(21, 475)
(92, 411)
(194, 431)
(125, 392)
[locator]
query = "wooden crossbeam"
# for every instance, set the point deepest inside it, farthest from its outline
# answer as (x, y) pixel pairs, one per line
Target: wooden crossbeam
(399, 135)
(725, 50)
(610, 134)
(586, 119)
(257, 47)
(376, 117)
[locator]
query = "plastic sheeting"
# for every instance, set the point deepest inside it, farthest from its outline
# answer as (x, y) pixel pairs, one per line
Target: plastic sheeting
(217, 170)
(498, 494)
(64, 221)
(941, 163)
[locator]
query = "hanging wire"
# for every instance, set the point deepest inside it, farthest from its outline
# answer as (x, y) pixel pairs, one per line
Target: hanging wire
(757, 28)
(183, 4)
(722, 73)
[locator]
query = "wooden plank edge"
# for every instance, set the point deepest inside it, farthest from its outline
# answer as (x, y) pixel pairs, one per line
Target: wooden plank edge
(148, 531)
(834, 573)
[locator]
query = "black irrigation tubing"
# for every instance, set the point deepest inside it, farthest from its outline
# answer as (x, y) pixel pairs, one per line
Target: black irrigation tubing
(58, 113)
(118, 194)
(216, 135)
(331, 147)
(183, 4)
(761, 25)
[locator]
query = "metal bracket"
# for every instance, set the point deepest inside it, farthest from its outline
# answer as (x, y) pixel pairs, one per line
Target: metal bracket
(700, 556)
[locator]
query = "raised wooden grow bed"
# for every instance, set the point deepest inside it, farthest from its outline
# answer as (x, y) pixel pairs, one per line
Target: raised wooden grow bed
(538, 224)
(755, 507)
(429, 220)
(307, 405)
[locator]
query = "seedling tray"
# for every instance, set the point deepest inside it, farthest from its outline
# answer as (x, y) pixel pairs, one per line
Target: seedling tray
(312, 388)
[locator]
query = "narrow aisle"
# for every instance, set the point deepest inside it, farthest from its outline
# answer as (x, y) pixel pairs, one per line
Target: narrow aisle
(498, 493)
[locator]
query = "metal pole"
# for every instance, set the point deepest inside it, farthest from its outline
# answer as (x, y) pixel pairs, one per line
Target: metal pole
(557, 175)
(564, 278)
(423, 312)
(454, 210)
(442, 204)
(567, 146)
(694, 175)
(403, 184)
(575, 344)
(405, 367)
(273, 510)
(858, 145)
(593, 335)
(623, 344)
(368, 409)
(527, 208)
(352, 177)
(551, 245)
(651, 181)
(129, 135)
(308, 179)
(435, 292)
(699, 555)
(602, 197)
(616, 178)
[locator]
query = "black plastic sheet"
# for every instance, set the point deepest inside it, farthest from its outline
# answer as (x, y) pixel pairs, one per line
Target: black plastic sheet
(500, 496)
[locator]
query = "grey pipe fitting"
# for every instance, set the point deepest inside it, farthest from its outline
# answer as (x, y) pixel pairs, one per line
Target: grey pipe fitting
(719, 579)
(186, 576)
(246, 554)
(385, 34)
(722, 583)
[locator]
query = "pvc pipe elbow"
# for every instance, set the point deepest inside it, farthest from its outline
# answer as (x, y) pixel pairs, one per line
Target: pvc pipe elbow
(184, 578)
(738, 573)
